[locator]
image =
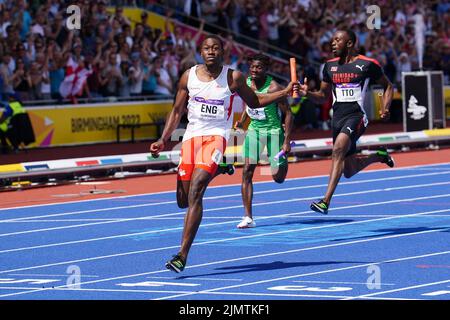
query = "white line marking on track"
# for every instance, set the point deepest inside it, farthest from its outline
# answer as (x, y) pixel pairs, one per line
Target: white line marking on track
(223, 208)
(343, 282)
(197, 278)
(399, 289)
(253, 257)
(349, 215)
(217, 197)
(221, 186)
(214, 293)
(243, 237)
(49, 275)
(309, 274)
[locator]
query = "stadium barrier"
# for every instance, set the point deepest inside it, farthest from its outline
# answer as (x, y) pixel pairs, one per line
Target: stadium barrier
(96, 123)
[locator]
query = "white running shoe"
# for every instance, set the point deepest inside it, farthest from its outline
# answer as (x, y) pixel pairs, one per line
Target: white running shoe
(246, 222)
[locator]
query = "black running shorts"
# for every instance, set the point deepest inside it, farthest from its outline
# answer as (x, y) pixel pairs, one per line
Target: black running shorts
(352, 125)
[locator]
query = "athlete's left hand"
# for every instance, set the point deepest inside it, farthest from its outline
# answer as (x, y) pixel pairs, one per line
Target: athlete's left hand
(286, 147)
(292, 86)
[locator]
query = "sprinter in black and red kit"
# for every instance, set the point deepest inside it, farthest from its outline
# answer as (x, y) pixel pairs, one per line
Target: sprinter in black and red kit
(347, 77)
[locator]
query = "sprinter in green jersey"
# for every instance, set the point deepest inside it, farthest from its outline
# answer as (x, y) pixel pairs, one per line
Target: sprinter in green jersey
(265, 130)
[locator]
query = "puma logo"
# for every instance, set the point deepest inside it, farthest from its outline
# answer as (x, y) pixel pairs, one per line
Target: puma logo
(360, 67)
(351, 131)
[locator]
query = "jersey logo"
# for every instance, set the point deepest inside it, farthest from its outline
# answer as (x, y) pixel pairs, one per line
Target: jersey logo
(351, 131)
(360, 67)
(333, 69)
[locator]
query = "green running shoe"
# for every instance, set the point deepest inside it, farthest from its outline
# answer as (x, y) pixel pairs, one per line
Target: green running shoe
(386, 157)
(224, 168)
(177, 263)
(319, 206)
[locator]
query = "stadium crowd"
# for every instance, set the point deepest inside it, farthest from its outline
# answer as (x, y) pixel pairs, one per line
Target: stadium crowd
(41, 59)
(305, 27)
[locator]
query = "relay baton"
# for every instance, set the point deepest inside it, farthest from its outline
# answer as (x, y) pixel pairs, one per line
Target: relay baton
(293, 67)
(282, 153)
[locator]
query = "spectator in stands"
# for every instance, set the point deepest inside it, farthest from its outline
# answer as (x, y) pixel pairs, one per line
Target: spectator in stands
(111, 76)
(93, 63)
(403, 64)
(164, 82)
(193, 10)
(102, 14)
(145, 24)
(136, 75)
(233, 55)
(149, 81)
(119, 18)
(24, 17)
(21, 80)
(39, 24)
(76, 56)
(36, 78)
(7, 68)
(249, 25)
(210, 15)
(125, 85)
(56, 71)
(27, 31)
(124, 52)
(5, 22)
(273, 19)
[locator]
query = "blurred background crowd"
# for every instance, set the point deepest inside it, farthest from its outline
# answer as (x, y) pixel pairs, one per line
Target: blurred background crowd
(110, 56)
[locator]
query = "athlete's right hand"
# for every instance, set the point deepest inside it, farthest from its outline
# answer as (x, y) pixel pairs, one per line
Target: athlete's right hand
(303, 88)
(156, 148)
(291, 87)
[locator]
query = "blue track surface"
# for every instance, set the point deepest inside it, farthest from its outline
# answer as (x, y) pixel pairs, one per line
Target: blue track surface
(387, 236)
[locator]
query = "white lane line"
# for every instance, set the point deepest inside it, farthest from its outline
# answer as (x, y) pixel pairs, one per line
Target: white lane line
(98, 290)
(220, 218)
(367, 171)
(296, 295)
(49, 275)
(398, 290)
(242, 237)
(196, 278)
(308, 274)
(224, 208)
(265, 255)
(213, 293)
(224, 261)
(287, 295)
(343, 282)
(217, 197)
(74, 290)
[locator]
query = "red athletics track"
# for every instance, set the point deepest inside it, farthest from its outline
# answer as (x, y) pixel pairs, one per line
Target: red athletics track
(166, 182)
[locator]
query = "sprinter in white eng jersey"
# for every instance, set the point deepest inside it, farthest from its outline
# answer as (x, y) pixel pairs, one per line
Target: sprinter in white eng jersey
(347, 77)
(206, 93)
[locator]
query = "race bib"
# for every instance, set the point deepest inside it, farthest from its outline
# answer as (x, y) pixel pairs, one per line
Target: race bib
(209, 109)
(256, 114)
(348, 92)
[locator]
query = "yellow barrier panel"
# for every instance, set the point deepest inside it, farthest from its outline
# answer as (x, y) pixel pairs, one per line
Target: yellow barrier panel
(447, 101)
(437, 132)
(12, 168)
(134, 15)
(82, 124)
